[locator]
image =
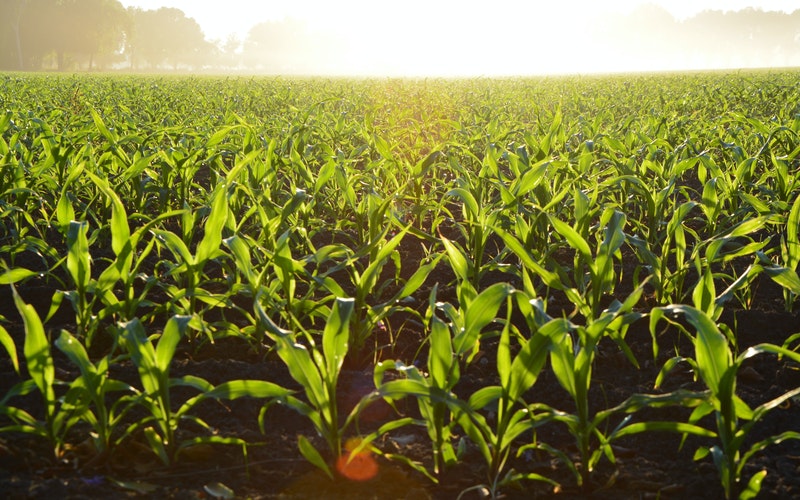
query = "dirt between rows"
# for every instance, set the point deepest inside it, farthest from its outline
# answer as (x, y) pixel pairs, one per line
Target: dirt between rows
(649, 465)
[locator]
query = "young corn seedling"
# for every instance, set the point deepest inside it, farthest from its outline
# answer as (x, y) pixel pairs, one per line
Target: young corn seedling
(478, 215)
(184, 298)
(90, 292)
(476, 228)
(785, 273)
(510, 416)
(123, 271)
(368, 312)
(666, 258)
(451, 344)
(718, 368)
(153, 364)
(317, 370)
(572, 355)
(93, 389)
(79, 266)
(601, 278)
(60, 413)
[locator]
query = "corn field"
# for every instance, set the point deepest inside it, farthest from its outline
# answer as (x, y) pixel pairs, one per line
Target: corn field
(242, 287)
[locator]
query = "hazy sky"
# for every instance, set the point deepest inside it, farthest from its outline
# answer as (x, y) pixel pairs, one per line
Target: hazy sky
(448, 36)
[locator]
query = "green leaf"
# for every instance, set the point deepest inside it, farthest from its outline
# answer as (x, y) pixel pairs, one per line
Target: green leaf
(562, 358)
(16, 275)
(372, 272)
(753, 486)
(142, 354)
(37, 351)
(219, 136)
(530, 360)
(325, 173)
(574, 239)
(703, 296)
(76, 353)
(793, 236)
(302, 369)
(383, 148)
(101, 126)
(785, 277)
(336, 334)
(11, 348)
(472, 209)
(481, 312)
(240, 388)
(175, 245)
(550, 278)
(312, 455)
(157, 444)
(64, 211)
(78, 262)
(241, 255)
(458, 260)
(485, 396)
(712, 353)
(120, 230)
(440, 357)
(171, 336)
(418, 278)
(212, 231)
(653, 426)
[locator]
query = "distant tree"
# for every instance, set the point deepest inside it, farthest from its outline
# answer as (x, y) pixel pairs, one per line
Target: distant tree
(89, 28)
(278, 47)
(749, 37)
(166, 37)
(229, 52)
(33, 30)
(25, 33)
(650, 38)
(10, 43)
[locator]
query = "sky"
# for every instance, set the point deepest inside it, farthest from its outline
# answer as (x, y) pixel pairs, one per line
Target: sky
(450, 37)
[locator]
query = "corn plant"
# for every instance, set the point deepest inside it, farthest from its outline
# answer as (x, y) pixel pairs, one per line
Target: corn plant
(370, 306)
(93, 390)
(587, 292)
(511, 416)
(79, 266)
(451, 344)
(60, 413)
(153, 365)
(785, 273)
(124, 269)
(572, 355)
(189, 266)
(734, 419)
(667, 258)
(317, 371)
(94, 299)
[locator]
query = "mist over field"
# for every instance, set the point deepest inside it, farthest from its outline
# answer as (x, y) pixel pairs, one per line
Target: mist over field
(415, 39)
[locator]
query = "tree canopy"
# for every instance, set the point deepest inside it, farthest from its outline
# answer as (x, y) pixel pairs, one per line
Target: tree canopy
(102, 34)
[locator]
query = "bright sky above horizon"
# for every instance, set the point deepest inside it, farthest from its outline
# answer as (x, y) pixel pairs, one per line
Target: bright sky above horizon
(506, 32)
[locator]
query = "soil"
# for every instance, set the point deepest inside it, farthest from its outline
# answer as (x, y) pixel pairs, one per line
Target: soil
(649, 465)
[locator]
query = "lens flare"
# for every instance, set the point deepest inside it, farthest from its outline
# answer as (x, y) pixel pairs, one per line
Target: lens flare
(360, 466)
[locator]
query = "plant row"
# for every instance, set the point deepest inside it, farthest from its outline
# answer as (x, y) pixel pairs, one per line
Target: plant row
(543, 217)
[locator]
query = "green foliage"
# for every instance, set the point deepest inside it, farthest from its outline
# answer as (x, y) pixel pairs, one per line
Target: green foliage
(718, 368)
(317, 370)
(542, 218)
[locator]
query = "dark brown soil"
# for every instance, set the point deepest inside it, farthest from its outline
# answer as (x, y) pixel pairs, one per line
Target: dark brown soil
(650, 465)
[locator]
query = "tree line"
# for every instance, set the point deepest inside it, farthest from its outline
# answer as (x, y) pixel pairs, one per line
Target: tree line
(712, 38)
(96, 35)
(69, 35)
